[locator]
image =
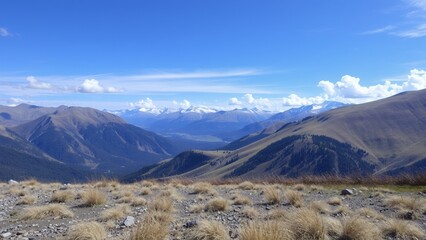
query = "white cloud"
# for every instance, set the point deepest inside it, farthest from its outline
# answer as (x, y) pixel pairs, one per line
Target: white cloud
(146, 103)
(4, 32)
(198, 74)
(349, 88)
(379, 30)
(234, 101)
(421, 4)
(294, 100)
(248, 97)
(15, 101)
(35, 84)
(417, 31)
(93, 86)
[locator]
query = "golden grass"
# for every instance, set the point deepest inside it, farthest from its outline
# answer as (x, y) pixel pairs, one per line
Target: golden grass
(217, 205)
(62, 196)
(145, 191)
(246, 185)
(42, 212)
(147, 183)
(334, 227)
(358, 228)
(401, 229)
(209, 230)
(295, 198)
(201, 188)
(153, 227)
(164, 204)
(319, 207)
(87, 231)
(265, 230)
(406, 203)
(26, 200)
(299, 187)
(138, 201)
(306, 224)
(278, 213)
(342, 210)
(93, 197)
(272, 195)
(250, 212)
(369, 213)
(115, 213)
(239, 199)
(196, 208)
(335, 201)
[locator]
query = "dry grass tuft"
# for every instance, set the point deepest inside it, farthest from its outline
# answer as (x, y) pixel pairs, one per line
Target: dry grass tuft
(41, 212)
(294, 198)
(319, 207)
(401, 229)
(210, 230)
(197, 208)
(217, 204)
(335, 201)
(93, 197)
(299, 187)
(406, 203)
(239, 199)
(147, 184)
(250, 212)
(265, 230)
(114, 213)
(26, 200)
(334, 227)
(342, 211)
(278, 213)
(246, 185)
(87, 231)
(272, 195)
(145, 191)
(306, 224)
(369, 213)
(358, 228)
(149, 230)
(138, 201)
(153, 227)
(201, 188)
(62, 196)
(161, 205)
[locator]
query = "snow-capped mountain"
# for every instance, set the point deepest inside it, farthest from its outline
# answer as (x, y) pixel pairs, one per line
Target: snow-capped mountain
(194, 120)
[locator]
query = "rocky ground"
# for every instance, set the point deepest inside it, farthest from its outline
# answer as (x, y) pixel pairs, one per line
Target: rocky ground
(122, 209)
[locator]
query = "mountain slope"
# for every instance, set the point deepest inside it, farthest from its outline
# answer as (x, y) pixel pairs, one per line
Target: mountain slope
(20, 160)
(13, 116)
(86, 138)
(381, 137)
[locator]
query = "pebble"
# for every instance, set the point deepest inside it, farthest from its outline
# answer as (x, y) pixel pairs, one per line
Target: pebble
(129, 221)
(6, 235)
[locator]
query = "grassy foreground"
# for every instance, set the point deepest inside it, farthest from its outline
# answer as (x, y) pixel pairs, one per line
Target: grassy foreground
(186, 209)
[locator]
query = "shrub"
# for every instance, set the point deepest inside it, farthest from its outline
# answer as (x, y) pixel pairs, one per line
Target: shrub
(87, 231)
(93, 197)
(162, 205)
(239, 199)
(217, 204)
(115, 213)
(272, 195)
(265, 230)
(246, 185)
(62, 196)
(335, 201)
(41, 212)
(306, 224)
(401, 229)
(210, 230)
(294, 198)
(357, 228)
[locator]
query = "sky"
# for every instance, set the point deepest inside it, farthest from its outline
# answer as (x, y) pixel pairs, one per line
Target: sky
(224, 54)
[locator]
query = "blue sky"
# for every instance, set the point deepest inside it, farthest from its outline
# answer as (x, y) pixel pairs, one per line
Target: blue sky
(224, 54)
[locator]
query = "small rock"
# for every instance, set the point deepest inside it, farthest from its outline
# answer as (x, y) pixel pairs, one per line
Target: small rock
(190, 224)
(347, 191)
(11, 181)
(6, 235)
(129, 221)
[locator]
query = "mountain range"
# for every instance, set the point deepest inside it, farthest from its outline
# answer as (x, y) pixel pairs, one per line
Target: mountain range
(382, 137)
(82, 140)
(223, 126)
